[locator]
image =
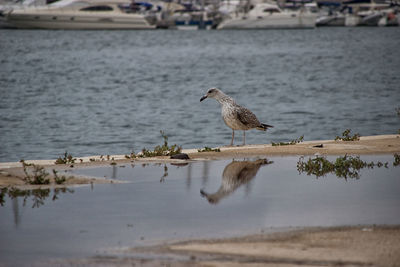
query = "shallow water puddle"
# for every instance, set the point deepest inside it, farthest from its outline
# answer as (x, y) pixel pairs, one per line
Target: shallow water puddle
(198, 200)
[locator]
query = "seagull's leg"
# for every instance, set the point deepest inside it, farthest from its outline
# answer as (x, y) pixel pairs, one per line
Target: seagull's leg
(233, 136)
(244, 137)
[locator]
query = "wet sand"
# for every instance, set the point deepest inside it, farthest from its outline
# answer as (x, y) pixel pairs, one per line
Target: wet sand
(11, 173)
(380, 144)
(367, 145)
(329, 246)
(346, 246)
(336, 246)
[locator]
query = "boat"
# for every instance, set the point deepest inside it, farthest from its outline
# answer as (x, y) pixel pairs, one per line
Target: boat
(79, 15)
(330, 13)
(4, 8)
(370, 18)
(390, 18)
(270, 16)
(336, 19)
(351, 20)
(186, 19)
(364, 12)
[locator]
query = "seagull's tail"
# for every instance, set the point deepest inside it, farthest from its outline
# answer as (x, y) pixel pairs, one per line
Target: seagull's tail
(264, 127)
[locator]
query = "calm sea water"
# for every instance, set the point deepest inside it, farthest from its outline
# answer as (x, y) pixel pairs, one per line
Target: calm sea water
(111, 92)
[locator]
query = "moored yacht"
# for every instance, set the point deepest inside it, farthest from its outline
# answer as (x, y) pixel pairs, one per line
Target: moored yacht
(270, 16)
(78, 14)
(364, 12)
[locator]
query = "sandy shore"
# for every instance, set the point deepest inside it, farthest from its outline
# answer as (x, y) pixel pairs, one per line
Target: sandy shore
(338, 246)
(11, 173)
(345, 246)
(380, 144)
(377, 246)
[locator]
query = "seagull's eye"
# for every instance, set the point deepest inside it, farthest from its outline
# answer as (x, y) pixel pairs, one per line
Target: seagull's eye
(211, 91)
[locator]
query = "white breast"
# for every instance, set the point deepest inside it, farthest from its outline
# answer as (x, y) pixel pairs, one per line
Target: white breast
(228, 113)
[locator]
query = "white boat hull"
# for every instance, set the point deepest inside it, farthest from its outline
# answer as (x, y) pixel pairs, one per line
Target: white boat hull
(352, 20)
(298, 22)
(69, 21)
(75, 17)
(330, 21)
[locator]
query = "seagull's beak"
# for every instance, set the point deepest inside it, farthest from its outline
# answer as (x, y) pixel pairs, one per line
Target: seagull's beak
(204, 97)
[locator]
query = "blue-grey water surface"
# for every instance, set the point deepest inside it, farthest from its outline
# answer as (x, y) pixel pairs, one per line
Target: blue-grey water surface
(111, 92)
(163, 202)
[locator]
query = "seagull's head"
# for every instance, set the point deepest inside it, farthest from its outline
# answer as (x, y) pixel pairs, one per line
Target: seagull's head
(211, 93)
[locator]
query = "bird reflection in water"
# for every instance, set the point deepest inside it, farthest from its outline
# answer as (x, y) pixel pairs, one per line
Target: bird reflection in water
(235, 174)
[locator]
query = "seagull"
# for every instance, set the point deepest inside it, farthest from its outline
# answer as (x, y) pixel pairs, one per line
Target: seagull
(235, 116)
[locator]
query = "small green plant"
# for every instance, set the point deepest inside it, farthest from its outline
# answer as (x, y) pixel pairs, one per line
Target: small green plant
(209, 149)
(68, 159)
(346, 136)
(293, 142)
(343, 167)
(57, 179)
(318, 166)
(131, 156)
(396, 161)
(163, 150)
(38, 175)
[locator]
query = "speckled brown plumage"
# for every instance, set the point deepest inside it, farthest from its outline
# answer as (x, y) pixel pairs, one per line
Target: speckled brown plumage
(235, 116)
